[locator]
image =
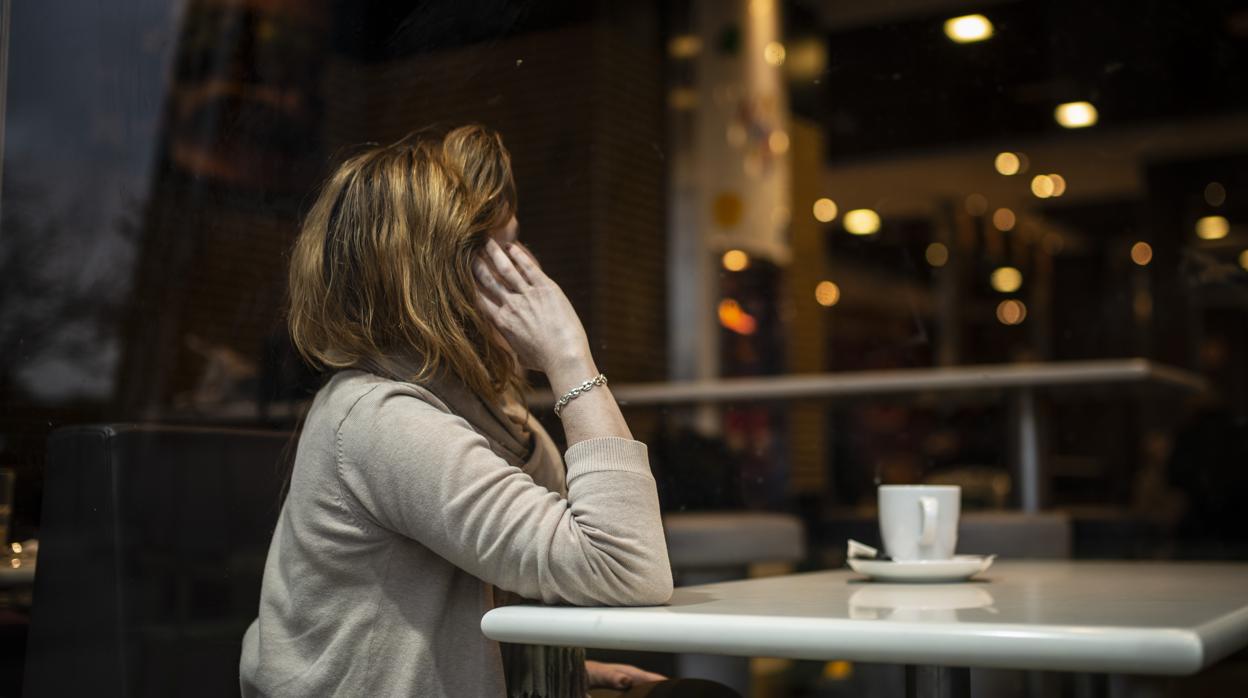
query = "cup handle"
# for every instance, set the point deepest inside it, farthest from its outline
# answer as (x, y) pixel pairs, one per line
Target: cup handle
(927, 507)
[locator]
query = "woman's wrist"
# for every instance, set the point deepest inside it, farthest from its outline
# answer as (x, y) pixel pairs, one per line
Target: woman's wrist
(569, 372)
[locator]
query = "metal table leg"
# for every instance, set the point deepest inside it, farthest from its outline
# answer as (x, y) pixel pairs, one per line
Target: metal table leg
(938, 682)
(1027, 465)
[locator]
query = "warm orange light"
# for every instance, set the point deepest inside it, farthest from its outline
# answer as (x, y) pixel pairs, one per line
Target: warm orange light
(968, 29)
(778, 141)
(827, 294)
(1006, 279)
(1212, 228)
(1011, 312)
(937, 254)
(1003, 219)
(862, 221)
(684, 46)
(1007, 164)
(825, 210)
(734, 318)
(773, 53)
(1059, 184)
(1142, 253)
(736, 260)
(1243, 259)
(1076, 114)
(1043, 186)
(682, 98)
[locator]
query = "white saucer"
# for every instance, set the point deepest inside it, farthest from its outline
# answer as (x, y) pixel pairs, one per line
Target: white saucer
(956, 569)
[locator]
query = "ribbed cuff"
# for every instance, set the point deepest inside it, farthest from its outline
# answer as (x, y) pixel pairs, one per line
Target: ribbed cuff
(609, 453)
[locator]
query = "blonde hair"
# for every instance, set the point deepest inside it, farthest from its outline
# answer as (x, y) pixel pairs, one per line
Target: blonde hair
(381, 269)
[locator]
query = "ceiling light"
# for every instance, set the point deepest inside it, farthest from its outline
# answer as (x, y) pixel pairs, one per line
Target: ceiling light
(827, 294)
(1006, 279)
(1212, 228)
(1075, 114)
(1007, 163)
(1042, 186)
(735, 260)
(825, 210)
(968, 29)
(1003, 219)
(862, 221)
(1011, 312)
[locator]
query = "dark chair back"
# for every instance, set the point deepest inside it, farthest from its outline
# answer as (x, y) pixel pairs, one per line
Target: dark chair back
(152, 549)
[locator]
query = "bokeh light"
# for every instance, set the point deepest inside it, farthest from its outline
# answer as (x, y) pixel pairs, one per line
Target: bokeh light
(968, 29)
(736, 260)
(1212, 228)
(976, 204)
(773, 53)
(1059, 184)
(827, 294)
(1142, 253)
(1076, 114)
(937, 254)
(1003, 219)
(1243, 259)
(1006, 279)
(778, 141)
(1011, 312)
(684, 46)
(1042, 186)
(1007, 163)
(862, 221)
(1215, 194)
(825, 210)
(733, 317)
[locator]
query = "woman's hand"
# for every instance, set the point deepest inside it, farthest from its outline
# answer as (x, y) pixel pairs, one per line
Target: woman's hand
(618, 676)
(530, 310)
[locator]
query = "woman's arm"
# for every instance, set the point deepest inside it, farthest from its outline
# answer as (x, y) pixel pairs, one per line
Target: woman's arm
(535, 317)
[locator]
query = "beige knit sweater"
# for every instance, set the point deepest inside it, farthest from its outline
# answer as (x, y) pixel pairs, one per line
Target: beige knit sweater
(399, 519)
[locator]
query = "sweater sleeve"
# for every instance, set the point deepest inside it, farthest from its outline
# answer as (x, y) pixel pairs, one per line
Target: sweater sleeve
(429, 476)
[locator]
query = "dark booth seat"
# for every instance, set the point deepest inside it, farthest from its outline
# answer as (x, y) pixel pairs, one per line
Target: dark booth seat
(152, 549)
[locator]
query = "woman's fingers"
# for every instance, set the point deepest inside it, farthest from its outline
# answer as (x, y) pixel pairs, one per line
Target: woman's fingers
(525, 262)
(487, 281)
(505, 267)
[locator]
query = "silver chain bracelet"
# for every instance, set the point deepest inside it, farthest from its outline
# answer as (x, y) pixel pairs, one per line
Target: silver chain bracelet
(600, 379)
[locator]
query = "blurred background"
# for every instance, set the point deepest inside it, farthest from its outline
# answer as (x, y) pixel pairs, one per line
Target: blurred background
(817, 245)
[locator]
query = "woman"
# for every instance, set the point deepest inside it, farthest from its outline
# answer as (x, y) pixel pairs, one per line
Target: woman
(421, 485)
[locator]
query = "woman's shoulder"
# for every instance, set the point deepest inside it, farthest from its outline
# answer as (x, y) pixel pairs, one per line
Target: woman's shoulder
(360, 402)
(348, 389)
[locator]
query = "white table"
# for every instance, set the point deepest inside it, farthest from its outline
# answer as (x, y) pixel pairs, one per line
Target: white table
(1113, 617)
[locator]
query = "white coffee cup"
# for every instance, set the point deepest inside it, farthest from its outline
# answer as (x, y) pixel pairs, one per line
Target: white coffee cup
(919, 522)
